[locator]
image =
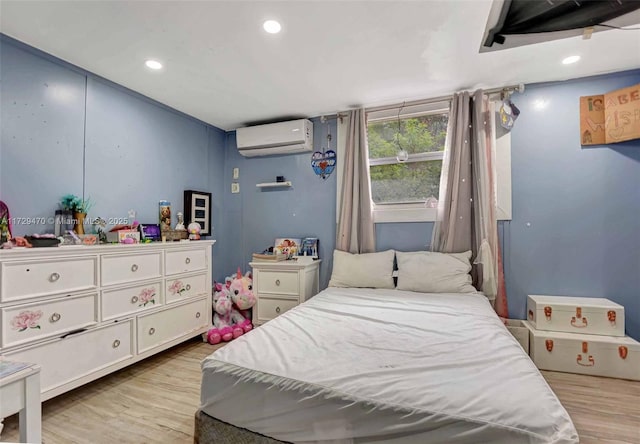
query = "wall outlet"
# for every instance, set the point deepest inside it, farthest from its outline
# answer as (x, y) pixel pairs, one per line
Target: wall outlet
(235, 187)
(236, 173)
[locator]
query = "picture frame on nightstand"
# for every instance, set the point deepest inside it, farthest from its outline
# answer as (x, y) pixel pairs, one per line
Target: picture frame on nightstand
(309, 247)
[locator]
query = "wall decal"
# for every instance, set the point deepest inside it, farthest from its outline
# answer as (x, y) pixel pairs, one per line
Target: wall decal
(610, 118)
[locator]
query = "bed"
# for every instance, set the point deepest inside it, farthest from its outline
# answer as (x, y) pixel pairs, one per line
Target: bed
(362, 365)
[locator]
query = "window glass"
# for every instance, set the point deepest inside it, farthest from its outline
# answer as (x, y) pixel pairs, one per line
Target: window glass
(416, 179)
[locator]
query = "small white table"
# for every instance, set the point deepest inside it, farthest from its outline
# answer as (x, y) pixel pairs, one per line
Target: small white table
(20, 392)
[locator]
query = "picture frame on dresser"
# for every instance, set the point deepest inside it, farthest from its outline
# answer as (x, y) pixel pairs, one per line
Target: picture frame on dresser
(197, 208)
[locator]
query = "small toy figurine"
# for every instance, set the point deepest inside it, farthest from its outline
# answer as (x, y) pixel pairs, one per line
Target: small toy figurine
(180, 224)
(194, 231)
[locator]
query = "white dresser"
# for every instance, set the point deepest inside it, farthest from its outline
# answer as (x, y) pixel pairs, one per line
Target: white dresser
(280, 286)
(81, 312)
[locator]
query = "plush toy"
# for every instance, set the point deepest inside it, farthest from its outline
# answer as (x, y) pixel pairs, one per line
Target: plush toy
(231, 304)
(194, 231)
(241, 288)
(223, 329)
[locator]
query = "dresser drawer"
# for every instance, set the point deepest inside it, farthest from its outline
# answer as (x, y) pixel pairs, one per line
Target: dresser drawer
(272, 308)
(185, 287)
(184, 261)
(124, 301)
(22, 279)
(278, 282)
(161, 327)
(121, 268)
(70, 358)
(24, 323)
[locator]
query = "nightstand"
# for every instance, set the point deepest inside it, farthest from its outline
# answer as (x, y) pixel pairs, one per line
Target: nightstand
(280, 286)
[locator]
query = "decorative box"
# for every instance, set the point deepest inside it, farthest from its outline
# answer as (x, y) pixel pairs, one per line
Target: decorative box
(175, 235)
(612, 356)
(594, 316)
(120, 235)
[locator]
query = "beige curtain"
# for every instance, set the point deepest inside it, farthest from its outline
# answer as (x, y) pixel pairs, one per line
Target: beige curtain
(452, 230)
(467, 218)
(356, 231)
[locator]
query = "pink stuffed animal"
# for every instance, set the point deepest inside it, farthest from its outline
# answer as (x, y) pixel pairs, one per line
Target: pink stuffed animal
(241, 289)
(223, 329)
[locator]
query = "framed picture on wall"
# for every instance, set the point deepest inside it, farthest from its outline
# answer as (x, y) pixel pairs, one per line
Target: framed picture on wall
(197, 208)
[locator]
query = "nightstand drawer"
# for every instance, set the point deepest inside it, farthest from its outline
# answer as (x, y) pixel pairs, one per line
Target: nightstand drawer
(124, 301)
(25, 323)
(123, 268)
(184, 261)
(185, 287)
(21, 280)
(278, 282)
(272, 308)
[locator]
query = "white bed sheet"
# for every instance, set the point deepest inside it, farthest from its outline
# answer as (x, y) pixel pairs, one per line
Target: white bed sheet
(364, 366)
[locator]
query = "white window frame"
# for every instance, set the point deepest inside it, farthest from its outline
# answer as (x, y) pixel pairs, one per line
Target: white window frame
(407, 211)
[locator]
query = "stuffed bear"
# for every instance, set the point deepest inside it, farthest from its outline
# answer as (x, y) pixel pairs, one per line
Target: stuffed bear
(223, 329)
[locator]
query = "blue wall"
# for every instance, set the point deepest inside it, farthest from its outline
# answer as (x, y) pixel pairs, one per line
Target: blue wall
(136, 153)
(575, 228)
(576, 211)
(255, 217)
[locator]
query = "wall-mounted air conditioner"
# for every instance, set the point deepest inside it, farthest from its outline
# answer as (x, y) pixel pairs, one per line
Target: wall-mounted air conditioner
(294, 136)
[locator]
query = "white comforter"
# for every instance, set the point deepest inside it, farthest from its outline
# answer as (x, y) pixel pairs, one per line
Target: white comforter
(362, 365)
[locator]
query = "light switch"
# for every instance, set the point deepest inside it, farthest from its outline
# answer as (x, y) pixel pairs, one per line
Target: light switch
(235, 187)
(236, 173)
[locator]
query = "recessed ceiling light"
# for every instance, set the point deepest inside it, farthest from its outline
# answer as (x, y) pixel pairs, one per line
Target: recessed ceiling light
(153, 64)
(571, 59)
(272, 27)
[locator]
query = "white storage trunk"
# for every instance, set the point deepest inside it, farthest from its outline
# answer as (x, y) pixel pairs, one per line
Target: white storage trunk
(612, 356)
(594, 316)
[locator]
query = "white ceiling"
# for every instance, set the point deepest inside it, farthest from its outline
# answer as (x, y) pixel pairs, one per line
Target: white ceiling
(222, 68)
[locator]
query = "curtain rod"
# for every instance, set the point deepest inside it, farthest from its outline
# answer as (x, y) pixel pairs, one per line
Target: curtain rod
(512, 88)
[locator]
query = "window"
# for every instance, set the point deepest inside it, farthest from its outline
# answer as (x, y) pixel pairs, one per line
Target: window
(405, 163)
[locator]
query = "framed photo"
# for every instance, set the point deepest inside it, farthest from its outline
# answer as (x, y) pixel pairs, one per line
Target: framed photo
(287, 245)
(197, 208)
(309, 247)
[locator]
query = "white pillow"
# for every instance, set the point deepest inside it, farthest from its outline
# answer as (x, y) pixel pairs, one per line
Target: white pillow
(429, 272)
(368, 270)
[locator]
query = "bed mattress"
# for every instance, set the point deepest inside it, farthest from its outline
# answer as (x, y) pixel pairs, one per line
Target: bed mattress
(368, 365)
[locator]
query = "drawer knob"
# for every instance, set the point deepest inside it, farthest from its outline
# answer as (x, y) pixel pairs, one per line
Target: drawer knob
(188, 287)
(277, 281)
(197, 315)
(277, 309)
(187, 261)
(134, 299)
(116, 343)
(54, 277)
(54, 317)
(152, 330)
(134, 267)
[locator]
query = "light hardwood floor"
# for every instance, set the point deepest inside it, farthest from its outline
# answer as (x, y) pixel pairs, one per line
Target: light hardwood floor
(154, 401)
